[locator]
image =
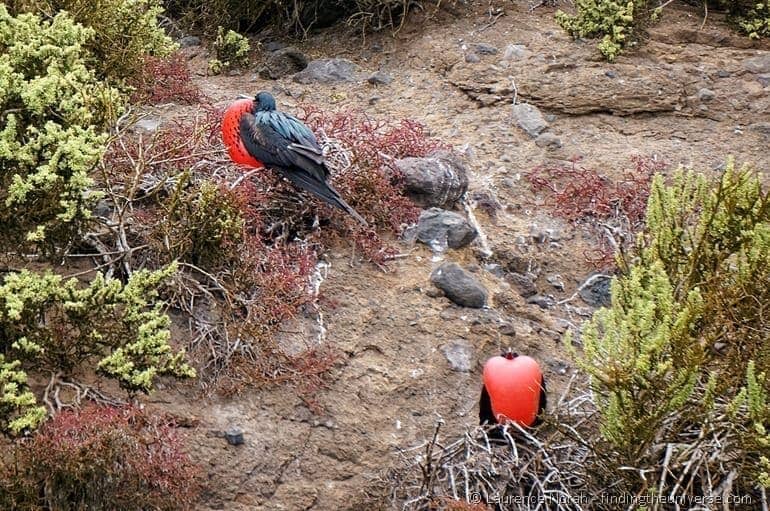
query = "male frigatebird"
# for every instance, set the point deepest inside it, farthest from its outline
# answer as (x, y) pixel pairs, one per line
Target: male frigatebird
(257, 135)
(513, 389)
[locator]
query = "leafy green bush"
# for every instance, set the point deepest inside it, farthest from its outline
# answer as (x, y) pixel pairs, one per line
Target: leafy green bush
(619, 22)
(56, 325)
(122, 32)
(231, 50)
(18, 408)
(100, 458)
(684, 350)
(52, 109)
(614, 21)
(200, 224)
(751, 16)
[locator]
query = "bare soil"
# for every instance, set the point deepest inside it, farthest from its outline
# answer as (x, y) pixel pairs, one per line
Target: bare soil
(392, 381)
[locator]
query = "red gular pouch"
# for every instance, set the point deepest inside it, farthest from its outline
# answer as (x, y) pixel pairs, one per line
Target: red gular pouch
(231, 133)
(514, 390)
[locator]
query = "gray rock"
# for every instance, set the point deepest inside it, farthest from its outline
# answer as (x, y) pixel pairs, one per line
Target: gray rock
(764, 80)
(723, 74)
(495, 269)
(761, 127)
(147, 125)
(705, 95)
(189, 40)
(523, 284)
(234, 435)
(380, 78)
(558, 366)
(513, 261)
(610, 74)
(514, 52)
(437, 180)
(104, 208)
(440, 229)
(485, 49)
(273, 46)
(595, 291)
(283, 62)
(328, 71)
(548, 141)
(507, 329)
(529, 118)
(555, 281)
(544, 235)
(459, 354)
(486, 201)
(459, 285)
(544, 302)
(472, 58)
(760, 64)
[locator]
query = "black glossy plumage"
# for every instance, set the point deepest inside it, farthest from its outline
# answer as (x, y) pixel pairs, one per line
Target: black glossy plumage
(284, 143)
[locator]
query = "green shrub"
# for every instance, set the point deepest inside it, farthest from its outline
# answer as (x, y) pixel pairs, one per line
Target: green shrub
(123, 31)
(231, 50)
(751, 16)
(200, 224)
(686, 343)
(620, 23)
(52, 109)
(614, 21)
(18, 408)
(55, 325)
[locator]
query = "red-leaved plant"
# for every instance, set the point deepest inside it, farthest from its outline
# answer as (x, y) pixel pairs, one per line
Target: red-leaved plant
(614, 208)
(100, 457)
(164, 80)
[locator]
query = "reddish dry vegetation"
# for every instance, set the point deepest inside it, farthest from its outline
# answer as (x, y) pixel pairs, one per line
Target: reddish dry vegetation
(614, 209)
(98, 456)
(164, 80)
(364, 150)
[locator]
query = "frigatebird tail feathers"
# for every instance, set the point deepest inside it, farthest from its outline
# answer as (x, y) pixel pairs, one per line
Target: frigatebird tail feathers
(320, 189)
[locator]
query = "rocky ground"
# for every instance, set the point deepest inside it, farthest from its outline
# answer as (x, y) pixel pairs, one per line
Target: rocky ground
(409, 355)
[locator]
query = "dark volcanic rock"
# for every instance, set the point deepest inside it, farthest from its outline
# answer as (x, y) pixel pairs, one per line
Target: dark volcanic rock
(440, 229)
(283, 62)
(544, 302)
(328, 71)
(485, 49)
(459, 285)
(234, 435)
(437, 180)
(522, 283)
(595, 291)
(189, 40)
(380, 78)
(274, 46)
